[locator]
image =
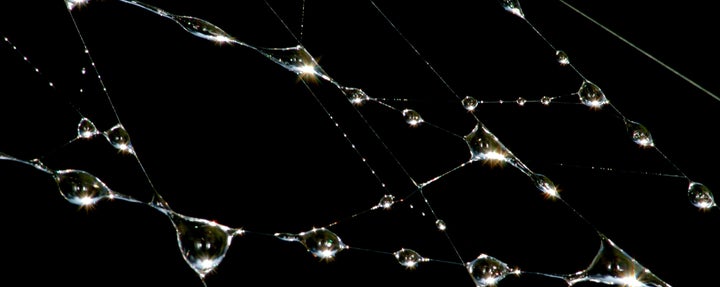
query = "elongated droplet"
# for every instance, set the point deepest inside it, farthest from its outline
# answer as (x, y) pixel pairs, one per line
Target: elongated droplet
(320, 242)
(544, 184)
(591, 95)
(513, 6)
(387, 201)
(469, 103)
(562, 57)
(487, 270)
(203, 243)
(86, 129)
(71, 4)
(119, 138)
(355, 95)
(409, 258)
(545, 100)
(80, 187)
(700, 196)
(613, 266)
(639, 133)
(521, 101)
(484, 145)
(412, 117)
(296, 59)
(201, 28)
(440, 224)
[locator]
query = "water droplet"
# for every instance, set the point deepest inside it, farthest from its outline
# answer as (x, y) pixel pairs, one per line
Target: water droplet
(487, 270)
(71, 4)
(612, 266)
(469, 103)
(82, 71)
(355, 95)
(37, 163)
(484, 145)
(562, 57)
(412, 117)
(387, 201)
(81, 188)
(203, 243)
(544, 184)
(521, 101)
(700, 195)
(639, 133)
(409, 258)
(513, 6)
(296, 59)
(545, 100)
(201, 28)
(119, 138)
(440, 224)
(591, 95)
(320, 242)
(86, 129)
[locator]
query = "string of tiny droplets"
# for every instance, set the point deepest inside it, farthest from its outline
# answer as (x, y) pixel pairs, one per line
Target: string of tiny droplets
(82, 188)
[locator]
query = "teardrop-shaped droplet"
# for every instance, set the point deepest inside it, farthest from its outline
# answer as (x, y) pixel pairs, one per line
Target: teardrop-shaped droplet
(545, 100)
(639, 133)
(612, 266)
(296, 59)
(521, 101)
(700, 196)
(487, 270)
(355, 95)
(440, 224)
(322, 243)
(387, 201)
(201, 28)
(86, 129)
(544, 184)
(203, 243)
(469, 103)
(562, 57)
(71, 4)
(408, 258)
(119, 138)
(513, 6)
(484, 145)
(80, 187)
(591, 95)
(412, 117)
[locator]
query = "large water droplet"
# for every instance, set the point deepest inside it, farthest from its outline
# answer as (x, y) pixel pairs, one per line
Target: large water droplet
(296, 59)
(119, 138)
(613, 266)
(86, 129)
(440, 224)
(591, 95)
(320, 242)
(484, 145)
(469, 103)
(639, 133)
(412, 117)
(387, 201)
(201, 28)
(487, 270)
(521, 101)
(80, 187)
(562, 57)
(355, 95)
(513, 6)
(545, 100)
(408, 258)
(71, 4)
(544, 184)
(203, 243)
(700, 196)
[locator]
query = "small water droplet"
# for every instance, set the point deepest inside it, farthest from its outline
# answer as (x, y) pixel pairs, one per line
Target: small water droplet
(591, 95)
(469, 103)
(86, 129)
(355, 95)
(484, 145)
(296, 59)
(203, 243)
(80, 187)
(83, 71)
(545, 100)
(321, 243)
(408, 258)
(440, 224)
(387, 201)
(513, 6)
(487, 270)
(521, 101)
(412, 117)
(119, 138)
(201, 28)
(639, 133)
(562, 57)
(700, 195)
(544, 184)
(71, 4)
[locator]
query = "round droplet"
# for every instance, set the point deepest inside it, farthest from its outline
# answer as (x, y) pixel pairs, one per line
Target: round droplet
(545, 100)
(119, 138)
(639, 133)
(521, 101)
(81, 188)
(322, 243)
(82, 71)
(591, 95)
(355, 95)
(387, 201)
(487, 270)
(86, 129)
(469, 103)
(544, 184)
(440, 224)
(408, 258)
(562, 57)
(412, 117)
(203, 243)
(700, 195)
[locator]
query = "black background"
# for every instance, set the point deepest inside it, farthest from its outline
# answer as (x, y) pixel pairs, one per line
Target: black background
(227, 135)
